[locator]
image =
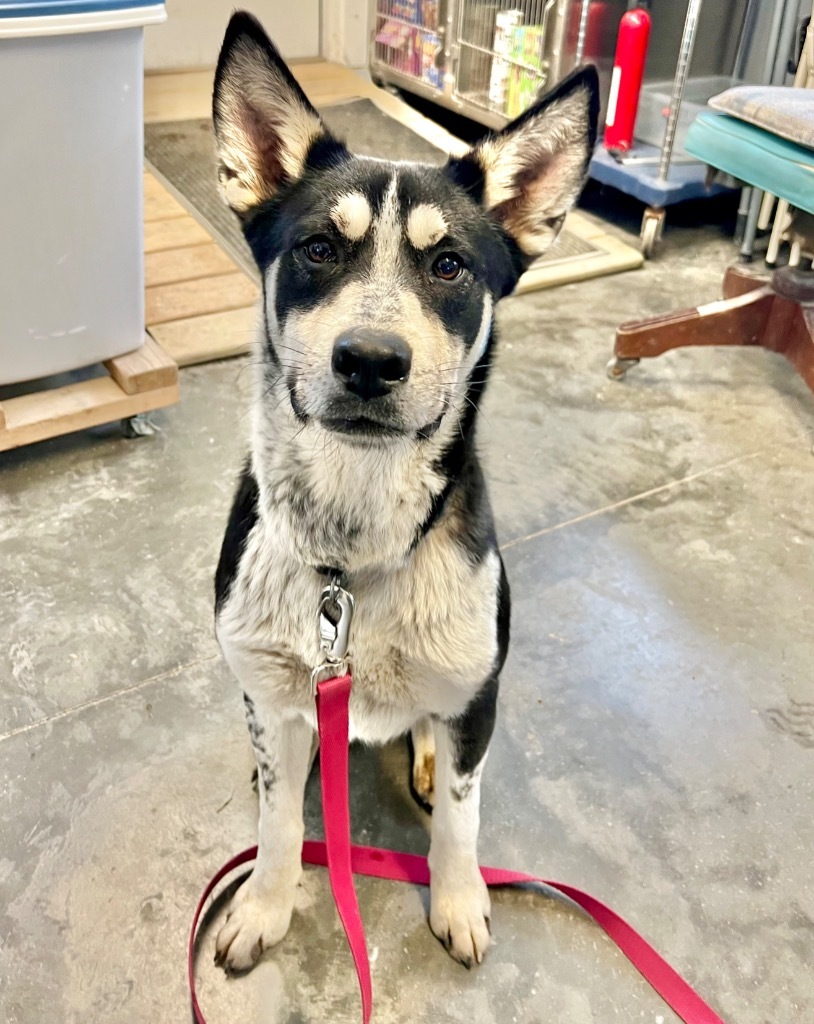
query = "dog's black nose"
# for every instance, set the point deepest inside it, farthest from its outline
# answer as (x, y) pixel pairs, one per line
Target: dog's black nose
(371, 363)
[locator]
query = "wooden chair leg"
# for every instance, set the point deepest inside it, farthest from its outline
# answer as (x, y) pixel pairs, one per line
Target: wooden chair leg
(778, 315)
(740, 320)
(805, 360)
(739, 279)
(790, 333)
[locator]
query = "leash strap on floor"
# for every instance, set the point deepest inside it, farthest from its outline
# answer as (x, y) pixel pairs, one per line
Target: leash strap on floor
(344, 860)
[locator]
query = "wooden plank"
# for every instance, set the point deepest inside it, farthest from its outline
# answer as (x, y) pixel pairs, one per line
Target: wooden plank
(203, 338)
(172, 234)
(191, 298)
(2, 418)
(145, 369)
(161, 206)
(89, 403)
(178, 96)
(186, 264)
(153, 189)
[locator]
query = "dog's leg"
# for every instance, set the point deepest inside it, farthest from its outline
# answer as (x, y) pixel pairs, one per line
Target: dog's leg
(260, 912)
(422, 769)
(459, 899)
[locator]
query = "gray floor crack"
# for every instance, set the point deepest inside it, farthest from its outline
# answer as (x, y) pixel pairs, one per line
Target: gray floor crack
(105, 698)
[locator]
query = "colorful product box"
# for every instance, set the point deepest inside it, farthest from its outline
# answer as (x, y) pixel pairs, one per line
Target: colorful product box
(430, 48)
(407, 10)
(524, 83)
(429, 14)
(404, 53)
(506, 23)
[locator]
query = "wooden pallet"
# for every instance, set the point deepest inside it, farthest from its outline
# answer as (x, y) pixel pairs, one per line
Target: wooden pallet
(136, 382)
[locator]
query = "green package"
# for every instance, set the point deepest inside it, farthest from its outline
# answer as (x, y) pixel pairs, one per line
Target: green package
(524, 84)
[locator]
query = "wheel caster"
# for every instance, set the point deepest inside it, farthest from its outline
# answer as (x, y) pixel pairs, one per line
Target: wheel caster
(617, 368)
(139, 425)
(652, 230)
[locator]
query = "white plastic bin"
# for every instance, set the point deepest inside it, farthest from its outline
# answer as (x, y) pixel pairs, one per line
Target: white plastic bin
(71, 165)
(654, 108)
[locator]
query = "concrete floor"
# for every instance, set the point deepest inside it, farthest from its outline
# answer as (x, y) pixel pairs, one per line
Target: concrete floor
(656, 738)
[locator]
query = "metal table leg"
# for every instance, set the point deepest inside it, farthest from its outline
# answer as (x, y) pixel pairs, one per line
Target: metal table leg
(743, 213)
(748, 243)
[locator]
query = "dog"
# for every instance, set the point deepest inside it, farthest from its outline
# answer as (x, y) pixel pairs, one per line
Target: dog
(380, 282)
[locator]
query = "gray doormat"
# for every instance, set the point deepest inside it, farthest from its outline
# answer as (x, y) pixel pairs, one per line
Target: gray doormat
(181, 154)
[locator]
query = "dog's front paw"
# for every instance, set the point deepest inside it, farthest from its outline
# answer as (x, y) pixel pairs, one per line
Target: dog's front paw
(459, 918)
(257, 920)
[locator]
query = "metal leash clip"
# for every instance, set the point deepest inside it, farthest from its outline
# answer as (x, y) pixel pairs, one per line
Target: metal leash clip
(334, 619)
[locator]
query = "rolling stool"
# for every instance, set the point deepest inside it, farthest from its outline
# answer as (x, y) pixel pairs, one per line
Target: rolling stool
(765, 139)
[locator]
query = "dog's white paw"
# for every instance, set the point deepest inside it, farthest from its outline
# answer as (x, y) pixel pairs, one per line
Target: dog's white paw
(257, 920)
(459, 918)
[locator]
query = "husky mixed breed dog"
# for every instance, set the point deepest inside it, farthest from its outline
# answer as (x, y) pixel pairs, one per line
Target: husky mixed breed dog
(379, 288)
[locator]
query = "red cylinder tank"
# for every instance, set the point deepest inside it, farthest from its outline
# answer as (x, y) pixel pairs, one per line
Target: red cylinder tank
(626, 81)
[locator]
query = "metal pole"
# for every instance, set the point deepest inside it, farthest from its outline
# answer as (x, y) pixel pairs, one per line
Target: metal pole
(583, 26)
(743, 212)
(745, 40)
(748, 244)
(774, 41)
(775, 32)
(788, 28)
(679, 82)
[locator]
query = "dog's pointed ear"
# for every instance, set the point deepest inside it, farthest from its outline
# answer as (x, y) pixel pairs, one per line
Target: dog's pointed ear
(530, 174)
(264, 125)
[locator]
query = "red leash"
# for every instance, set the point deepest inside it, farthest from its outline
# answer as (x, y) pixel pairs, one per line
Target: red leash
(344, 860)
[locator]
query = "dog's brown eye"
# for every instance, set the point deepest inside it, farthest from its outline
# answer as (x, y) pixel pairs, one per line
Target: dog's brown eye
(320, 250)
(448, 266)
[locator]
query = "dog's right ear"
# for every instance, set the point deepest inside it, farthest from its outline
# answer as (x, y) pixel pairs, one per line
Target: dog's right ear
(264, 125)
(529, 175)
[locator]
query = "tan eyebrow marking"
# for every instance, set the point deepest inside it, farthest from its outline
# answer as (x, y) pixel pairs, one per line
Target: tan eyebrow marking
(352, 215)
(425, 225)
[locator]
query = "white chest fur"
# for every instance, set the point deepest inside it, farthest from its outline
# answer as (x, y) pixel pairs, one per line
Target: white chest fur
(423, 638)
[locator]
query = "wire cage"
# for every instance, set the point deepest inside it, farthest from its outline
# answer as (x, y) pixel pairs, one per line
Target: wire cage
(408, 40)
(488, 59)
(507, 54)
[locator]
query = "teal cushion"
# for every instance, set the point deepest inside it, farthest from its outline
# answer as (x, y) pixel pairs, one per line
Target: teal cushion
(755, 156)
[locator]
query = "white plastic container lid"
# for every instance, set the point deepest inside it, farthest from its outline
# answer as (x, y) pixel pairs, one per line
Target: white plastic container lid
(20, 18)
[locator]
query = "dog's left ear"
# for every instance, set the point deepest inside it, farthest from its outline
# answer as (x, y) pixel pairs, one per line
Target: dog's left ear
(265, 127)
(531, 173)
